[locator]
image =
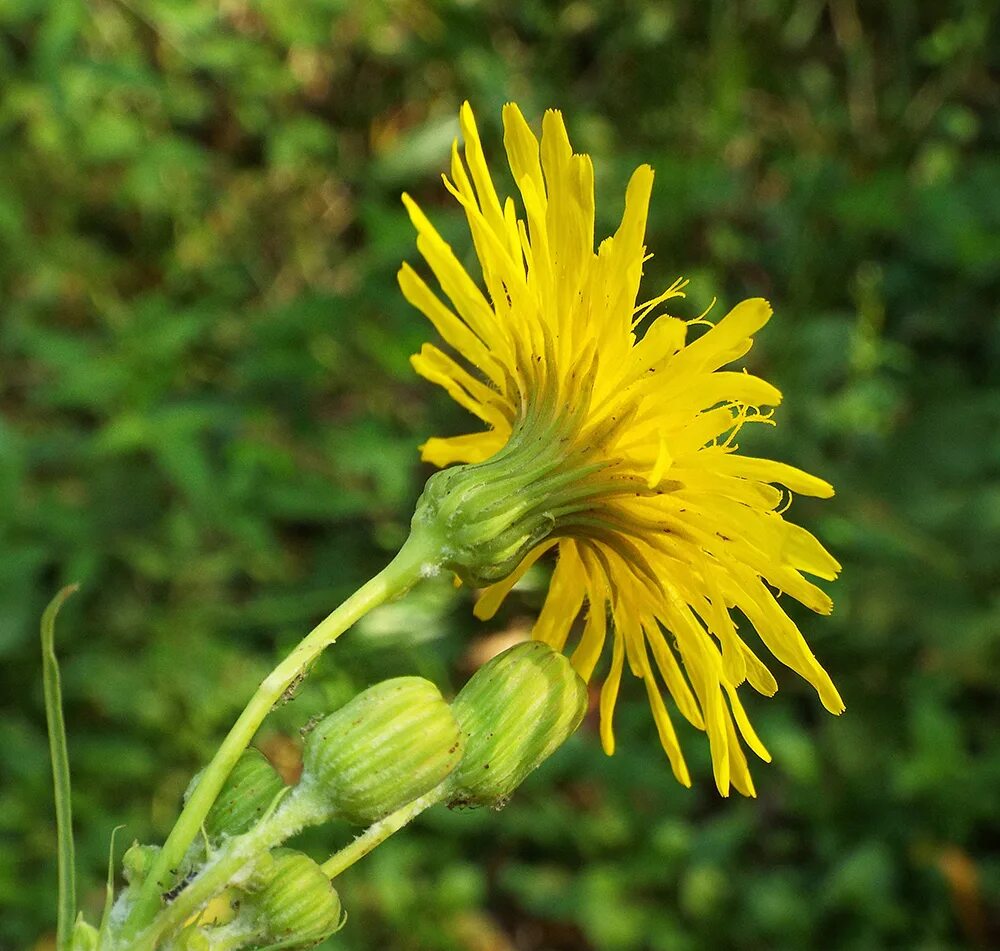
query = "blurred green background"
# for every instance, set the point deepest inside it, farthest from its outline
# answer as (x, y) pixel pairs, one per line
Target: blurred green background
(208, 419)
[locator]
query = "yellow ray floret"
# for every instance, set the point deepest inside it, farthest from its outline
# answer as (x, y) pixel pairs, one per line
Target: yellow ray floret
(667, 540)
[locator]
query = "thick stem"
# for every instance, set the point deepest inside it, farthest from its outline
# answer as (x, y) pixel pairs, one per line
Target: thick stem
(419, 557)
(379, 831)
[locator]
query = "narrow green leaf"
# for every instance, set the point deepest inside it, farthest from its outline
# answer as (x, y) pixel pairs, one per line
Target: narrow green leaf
(60, 771)
(109, 890)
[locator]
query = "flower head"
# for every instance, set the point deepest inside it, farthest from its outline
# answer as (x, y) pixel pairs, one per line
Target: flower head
(609, 435)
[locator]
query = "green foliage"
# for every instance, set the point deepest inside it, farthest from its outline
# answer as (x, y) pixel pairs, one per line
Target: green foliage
(207, 418)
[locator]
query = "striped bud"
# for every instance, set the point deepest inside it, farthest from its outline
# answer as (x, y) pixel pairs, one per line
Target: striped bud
(390, 745)
(247, 794)
(514, 713)
(294, 902)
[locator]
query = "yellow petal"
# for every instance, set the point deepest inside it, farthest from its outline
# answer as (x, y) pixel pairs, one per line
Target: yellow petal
(784, 640)
(474, 447)
(522, 148)
(480, 171)
(490, 600)
(609, 695)
(665, 729)
(804, 551)
(453, 330)
(743, 722)
(595, 631)
(728, 340)
(461, 290)
(739, 770)
(463, 388)
(767, 470)
(564, 599)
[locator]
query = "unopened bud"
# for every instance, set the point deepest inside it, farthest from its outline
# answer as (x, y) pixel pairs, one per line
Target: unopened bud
(391, 744)
(295, 904)
(137, 861)
(84, 937)
(248, 792)
(514, 713)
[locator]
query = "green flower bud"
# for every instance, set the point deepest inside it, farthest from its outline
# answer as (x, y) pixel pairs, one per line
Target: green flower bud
(137, 861)
(295, 902)
(249, 791)
(391, 744)
(84, 936)
(514, 713)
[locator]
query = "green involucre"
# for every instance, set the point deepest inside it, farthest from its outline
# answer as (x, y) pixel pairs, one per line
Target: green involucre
(294, 900)
(248, 792)
(391, 744)
(514, 713)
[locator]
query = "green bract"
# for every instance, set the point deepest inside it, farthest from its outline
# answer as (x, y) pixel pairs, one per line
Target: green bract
(295, 901)
(487, 525)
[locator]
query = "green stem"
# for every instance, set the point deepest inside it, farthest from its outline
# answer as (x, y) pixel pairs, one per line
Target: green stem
(379, 831)
(60, 771)
(419, 557)
(237, 853)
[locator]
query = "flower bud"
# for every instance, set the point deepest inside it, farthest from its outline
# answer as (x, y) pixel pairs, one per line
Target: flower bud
(248, 792)
(514, 713)
(84, 936)
(391, 744)
(137, 861)
(294, 902)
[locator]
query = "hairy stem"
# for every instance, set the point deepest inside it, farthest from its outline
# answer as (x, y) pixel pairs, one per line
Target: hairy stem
(234, 857)
(379, 831)
(418, 557)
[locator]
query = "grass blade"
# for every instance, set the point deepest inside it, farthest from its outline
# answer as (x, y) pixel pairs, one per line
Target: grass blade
(60, 771)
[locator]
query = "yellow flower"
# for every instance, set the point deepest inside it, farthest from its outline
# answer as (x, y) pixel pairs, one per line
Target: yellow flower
(609, 436)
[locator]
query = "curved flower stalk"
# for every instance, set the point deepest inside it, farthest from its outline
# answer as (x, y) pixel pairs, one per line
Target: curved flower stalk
(609, 436)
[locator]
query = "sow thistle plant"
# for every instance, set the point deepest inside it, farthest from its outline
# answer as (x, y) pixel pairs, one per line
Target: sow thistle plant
(607, 439)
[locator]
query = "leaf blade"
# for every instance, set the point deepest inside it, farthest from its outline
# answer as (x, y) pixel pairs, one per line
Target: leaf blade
(60, 770)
